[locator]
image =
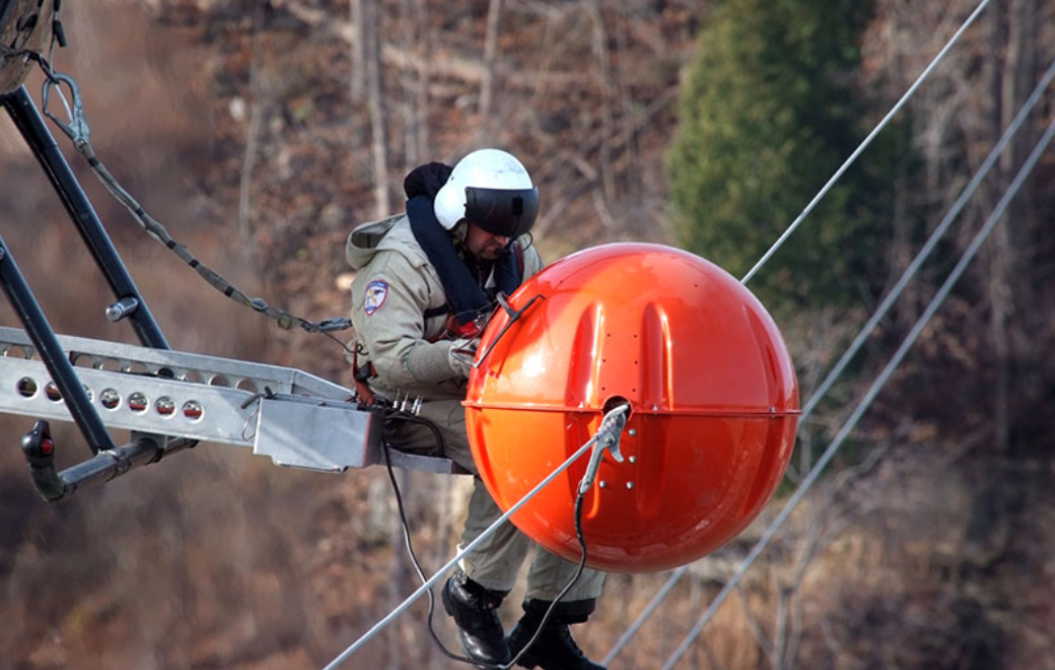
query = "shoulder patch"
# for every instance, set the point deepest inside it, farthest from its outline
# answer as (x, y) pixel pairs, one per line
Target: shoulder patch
(375, 296)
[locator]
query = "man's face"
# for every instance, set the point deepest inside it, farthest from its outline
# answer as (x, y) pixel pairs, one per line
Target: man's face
(484, 245)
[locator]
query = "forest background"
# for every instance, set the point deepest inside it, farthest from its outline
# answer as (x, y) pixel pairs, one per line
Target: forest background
(261, 132)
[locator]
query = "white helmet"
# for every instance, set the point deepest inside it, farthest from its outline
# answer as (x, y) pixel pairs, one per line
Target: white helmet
(491, 189)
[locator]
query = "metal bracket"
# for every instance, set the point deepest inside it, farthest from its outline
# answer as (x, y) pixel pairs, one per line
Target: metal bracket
(606, 439)
(303, 421)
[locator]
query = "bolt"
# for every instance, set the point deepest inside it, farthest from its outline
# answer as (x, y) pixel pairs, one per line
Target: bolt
(630, 485)
(602, 484)
(633, 459)
(633, 432)
(122, 308)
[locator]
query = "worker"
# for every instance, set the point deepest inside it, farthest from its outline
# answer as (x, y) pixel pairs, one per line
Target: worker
(426, 282)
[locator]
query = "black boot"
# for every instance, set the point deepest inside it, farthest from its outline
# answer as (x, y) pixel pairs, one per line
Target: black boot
(474, 610)
(554, 649)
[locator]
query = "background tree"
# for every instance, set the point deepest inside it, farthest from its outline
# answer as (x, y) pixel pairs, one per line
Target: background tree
(768, 112)
(929, 553)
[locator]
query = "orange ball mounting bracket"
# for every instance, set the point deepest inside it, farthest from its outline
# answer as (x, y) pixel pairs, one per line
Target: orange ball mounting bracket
(606, 439)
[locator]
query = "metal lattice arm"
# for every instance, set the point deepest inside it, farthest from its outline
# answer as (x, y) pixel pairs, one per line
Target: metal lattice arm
(295, 418)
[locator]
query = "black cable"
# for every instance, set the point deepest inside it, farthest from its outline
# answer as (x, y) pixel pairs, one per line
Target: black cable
(421, 573)
(400, 416)
(564, 591)
(410, 547)
(35, 56)
(392, 414)
(338, 341)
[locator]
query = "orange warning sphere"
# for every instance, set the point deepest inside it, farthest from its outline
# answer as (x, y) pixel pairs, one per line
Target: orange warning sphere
(711, 388)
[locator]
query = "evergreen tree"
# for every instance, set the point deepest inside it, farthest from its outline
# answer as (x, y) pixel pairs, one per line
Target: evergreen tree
(767, 114)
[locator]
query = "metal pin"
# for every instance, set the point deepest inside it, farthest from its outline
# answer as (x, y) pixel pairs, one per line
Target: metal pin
(633, 459)
(630, 485)
(602, 484)
(121, 309)
(633, 432)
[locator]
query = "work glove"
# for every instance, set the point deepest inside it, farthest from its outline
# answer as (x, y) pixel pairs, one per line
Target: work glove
(461, 355)
(426, 180)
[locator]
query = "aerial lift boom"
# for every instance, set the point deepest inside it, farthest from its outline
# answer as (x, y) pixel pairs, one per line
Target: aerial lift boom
(169, 400)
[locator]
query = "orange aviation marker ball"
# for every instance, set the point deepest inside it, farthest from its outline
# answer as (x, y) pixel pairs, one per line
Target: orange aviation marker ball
(712, 392)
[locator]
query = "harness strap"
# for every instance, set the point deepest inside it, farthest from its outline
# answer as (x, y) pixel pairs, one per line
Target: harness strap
(433, 312)
(360, 375)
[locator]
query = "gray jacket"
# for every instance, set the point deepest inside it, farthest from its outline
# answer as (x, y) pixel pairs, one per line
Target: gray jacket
(395, 285)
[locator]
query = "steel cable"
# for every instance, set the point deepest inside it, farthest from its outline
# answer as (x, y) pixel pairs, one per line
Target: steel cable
(864, 145)
(873, 391)
(610, 420)
(866, 330)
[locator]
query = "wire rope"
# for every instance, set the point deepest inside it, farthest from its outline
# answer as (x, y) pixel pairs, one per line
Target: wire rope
(409, 541)
(932, 241)
(864, 144)
(133, 206)
(866, 330)
(873, 391)
(611, 421)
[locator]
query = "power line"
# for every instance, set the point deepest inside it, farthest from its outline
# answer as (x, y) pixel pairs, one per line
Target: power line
(864, 145)
(649, 610)
(603, 437)
(880, 381)
(366, 637)
(780, 241)
(866, 330)
(932, 241)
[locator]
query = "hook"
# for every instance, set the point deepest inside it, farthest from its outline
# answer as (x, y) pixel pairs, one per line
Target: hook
(77, 129)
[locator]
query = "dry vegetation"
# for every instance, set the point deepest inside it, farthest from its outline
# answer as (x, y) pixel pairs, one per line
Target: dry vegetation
(248, 128)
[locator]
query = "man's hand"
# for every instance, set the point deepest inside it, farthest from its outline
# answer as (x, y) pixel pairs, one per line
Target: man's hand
(426, 180)
(462, 354)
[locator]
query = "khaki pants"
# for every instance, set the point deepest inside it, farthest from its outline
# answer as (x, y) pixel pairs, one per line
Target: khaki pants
(494, 563)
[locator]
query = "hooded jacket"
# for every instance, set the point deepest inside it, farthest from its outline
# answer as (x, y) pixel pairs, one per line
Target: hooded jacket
(394, 287)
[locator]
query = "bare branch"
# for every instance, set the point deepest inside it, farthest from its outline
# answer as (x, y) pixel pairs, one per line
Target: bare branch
(752, 622)
(422, 90)
(467, 70)
(490, 48)
(410, 116)
(358, 50)
(375, 95)
(600, 50)
(256, 114)
(601, 205)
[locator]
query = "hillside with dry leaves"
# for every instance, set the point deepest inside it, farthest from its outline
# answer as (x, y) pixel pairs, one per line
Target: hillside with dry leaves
(260, 132)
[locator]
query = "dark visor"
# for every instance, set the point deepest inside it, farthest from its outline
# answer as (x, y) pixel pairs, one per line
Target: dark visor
(506, 212)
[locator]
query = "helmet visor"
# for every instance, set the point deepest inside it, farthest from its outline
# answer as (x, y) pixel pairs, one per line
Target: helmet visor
(505, 212)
